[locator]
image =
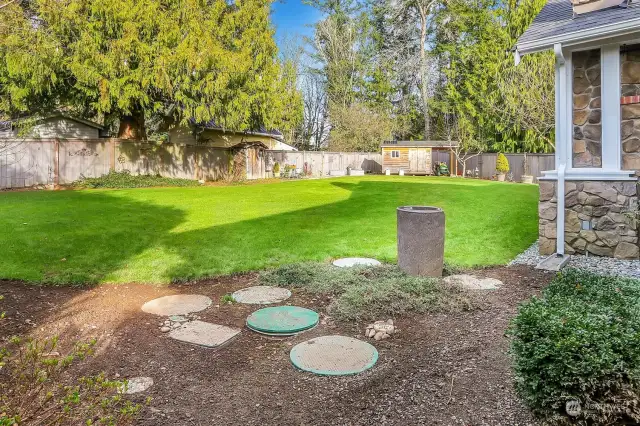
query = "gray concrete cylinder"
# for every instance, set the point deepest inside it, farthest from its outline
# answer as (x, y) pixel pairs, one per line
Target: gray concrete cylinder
(421, 240)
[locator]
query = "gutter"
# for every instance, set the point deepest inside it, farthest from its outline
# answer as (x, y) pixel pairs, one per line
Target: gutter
(560, 215)
(583, 36)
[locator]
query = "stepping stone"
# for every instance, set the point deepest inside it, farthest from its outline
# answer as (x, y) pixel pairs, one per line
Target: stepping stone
(204, 334)
(334, 356)
(261, 295)
(282, 320)
(349, 262)
(471, 282)
(178, 304)
(136, 385)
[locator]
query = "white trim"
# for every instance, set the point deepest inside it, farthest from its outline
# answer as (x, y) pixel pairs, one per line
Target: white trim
(583, 36)
(610, 109)
(590, 174)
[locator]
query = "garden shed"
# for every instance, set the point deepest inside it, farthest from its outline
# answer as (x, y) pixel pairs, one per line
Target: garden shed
(589, 203)
(415, 157)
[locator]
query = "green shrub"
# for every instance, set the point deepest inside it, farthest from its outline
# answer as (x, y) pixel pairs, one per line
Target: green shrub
(580, 342)
(368, 293)
(125, 179)
(35, 388)
(502, 164)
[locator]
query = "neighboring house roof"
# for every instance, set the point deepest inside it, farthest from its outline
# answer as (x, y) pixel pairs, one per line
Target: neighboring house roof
(281, 146)
(424, 144)
(8, 124)
(556, 24)
(276, 134)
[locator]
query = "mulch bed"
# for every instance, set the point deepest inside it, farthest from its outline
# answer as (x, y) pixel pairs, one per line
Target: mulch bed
(439, 369)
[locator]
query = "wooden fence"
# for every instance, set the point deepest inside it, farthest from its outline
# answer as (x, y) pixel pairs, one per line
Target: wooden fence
(486, 165)
(25, 163)
(321, 163)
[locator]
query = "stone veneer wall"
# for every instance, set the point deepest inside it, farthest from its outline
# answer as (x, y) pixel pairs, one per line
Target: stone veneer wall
(587, 116)
(630, 132)
(610, 207)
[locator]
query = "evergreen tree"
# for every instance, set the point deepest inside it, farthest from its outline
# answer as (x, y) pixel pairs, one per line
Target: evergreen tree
(131, 60)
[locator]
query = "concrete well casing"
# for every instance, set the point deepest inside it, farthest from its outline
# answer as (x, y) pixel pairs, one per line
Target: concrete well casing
(421, 240)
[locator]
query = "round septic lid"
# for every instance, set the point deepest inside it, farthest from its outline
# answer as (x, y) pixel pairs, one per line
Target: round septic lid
(282, 320)
(261, 295)
(334, 356)
(178, 304)
(348, 262)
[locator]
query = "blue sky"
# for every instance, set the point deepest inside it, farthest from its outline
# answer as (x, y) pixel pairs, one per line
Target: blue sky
(293, 19)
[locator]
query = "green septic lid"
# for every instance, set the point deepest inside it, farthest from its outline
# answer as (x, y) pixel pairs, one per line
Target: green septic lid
(282, 320)
(334, 356)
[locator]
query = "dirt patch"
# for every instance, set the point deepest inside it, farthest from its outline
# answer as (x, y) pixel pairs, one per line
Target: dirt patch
(439, 369)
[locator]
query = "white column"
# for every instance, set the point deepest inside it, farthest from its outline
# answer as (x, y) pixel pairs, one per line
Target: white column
(563, 121)
(610, 74)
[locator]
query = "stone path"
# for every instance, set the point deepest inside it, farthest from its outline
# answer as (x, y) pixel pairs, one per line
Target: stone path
(261, 295)
(136, 385)
(471, 282)
(328, 355)
(204, 333)
(178, 304)
(349, 262)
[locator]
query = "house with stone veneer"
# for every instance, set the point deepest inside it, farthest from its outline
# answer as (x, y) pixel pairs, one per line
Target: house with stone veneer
(589, 203)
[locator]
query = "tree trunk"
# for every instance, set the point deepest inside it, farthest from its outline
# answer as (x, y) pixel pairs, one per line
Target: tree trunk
(132, 126)
(424, 69)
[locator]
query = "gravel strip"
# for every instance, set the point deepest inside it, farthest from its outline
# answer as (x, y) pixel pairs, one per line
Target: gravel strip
(597, 264)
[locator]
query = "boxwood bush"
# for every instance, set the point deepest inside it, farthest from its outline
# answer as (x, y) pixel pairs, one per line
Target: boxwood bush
(580, 341)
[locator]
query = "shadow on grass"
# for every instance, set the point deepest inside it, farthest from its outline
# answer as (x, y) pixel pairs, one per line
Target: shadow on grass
(77, 236)
(485, 224)
(97, 236)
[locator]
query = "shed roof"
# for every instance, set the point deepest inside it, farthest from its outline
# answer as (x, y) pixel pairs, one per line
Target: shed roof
(556, 24)
(262, 131)
(424, 144)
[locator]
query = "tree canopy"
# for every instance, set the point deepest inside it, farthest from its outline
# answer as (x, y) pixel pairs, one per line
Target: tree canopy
(140, 61)
(425, 67)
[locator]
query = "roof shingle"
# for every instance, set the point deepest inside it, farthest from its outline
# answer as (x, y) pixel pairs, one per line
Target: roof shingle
(557, 19)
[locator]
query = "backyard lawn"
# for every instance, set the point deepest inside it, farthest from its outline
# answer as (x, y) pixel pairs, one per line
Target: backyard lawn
(162, 234)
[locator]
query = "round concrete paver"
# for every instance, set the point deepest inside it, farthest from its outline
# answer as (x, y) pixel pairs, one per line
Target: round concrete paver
(349, 262)
(334, 356)
(136, 385)
(179, 304)
(282, 320)
(261, 295)
(471, 282)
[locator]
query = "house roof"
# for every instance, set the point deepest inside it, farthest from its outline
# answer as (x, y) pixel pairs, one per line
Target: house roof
(7, 124)
(276, 134)
(556, 24)
(424, 144)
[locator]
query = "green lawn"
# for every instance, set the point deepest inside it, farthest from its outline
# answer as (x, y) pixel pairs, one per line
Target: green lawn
(160, 234)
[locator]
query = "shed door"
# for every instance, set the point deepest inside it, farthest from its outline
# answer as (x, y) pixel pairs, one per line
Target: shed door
(255, 163)
(413, 160)
(422, 161)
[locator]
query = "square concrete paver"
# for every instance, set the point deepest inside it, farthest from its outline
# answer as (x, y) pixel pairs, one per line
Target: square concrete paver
(204, 334)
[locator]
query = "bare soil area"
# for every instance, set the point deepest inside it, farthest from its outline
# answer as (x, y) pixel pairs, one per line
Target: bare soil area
(439, 369)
